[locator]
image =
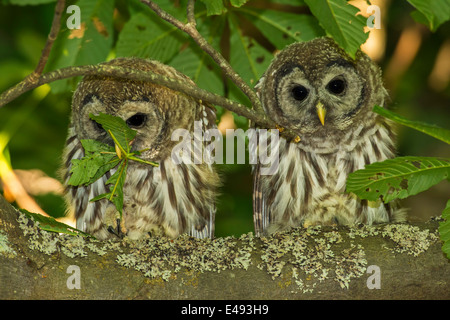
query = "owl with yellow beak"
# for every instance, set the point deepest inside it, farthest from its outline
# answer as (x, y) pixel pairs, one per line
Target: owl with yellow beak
(317, 90)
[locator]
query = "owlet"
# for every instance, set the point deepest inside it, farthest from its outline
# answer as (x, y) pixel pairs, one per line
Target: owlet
(316, 89)
(170, 199)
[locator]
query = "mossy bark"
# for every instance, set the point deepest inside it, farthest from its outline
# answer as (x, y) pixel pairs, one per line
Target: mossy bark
(415, 271)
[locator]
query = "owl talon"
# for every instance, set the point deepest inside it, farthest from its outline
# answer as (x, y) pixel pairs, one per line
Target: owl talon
(117, 231)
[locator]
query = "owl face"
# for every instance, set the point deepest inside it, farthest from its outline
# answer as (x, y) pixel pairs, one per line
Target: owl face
(171, 199)
(326, 97)
(149, 109)
(316, 88)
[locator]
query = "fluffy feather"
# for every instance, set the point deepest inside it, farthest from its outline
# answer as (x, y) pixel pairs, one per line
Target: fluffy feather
(309, 185)
(168, 200)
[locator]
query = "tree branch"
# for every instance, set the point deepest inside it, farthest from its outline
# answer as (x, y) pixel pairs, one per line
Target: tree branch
(191, 13)
(132, 74)
(256, 115)
(56, 23)
(191, 30)
(384, 262)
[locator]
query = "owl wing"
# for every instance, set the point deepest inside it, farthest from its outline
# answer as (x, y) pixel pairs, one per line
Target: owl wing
(260, 212)
(208, 117)
(208, 230)
(91, 215)
(261, 215)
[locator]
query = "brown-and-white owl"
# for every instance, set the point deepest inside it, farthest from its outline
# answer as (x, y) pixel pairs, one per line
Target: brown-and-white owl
(170, 199)
(326, 97)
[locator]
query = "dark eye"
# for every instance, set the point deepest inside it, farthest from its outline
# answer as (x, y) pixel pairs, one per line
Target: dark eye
(97, 125)
(88, 98)
(299, 93)
(140, 99)
(137, 120)
(336, 86)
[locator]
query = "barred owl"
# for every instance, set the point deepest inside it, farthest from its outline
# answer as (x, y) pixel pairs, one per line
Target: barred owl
(170, 199)
(326, 97)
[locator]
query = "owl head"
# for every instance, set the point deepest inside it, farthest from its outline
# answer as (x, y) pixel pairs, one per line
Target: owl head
(316, 89)
(153, 111)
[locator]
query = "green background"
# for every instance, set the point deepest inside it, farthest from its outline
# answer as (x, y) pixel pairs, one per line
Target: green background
(37, 121)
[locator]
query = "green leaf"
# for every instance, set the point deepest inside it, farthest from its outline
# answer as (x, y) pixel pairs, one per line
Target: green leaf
(432, 13)
(119, 129)
(444, 230)
(197, 64)
(432, 130)
(283, 28)
(340, 21)
(248, 57)
(214, 7)
(132, 157)
(29, 2)
(50, 224)
(91, 145)
(89, 45)
(148, 36)
(398, 178)
(99, 159)
(296, 3)
(238, 3)
(115, 194)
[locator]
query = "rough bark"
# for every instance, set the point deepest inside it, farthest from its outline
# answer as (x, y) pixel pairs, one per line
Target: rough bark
(409, 258)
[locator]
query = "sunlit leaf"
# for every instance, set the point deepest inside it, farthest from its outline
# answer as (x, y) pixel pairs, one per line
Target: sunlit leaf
(238, 3)
(52, 225)
(431, 13)
(340, 21)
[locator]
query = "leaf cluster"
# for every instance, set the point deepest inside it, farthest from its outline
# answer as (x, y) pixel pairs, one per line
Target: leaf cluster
(137, 31)
(402, 177)
(246, 33)
(100, 158)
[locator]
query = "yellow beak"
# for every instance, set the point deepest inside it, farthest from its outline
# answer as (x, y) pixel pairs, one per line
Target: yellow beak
(321, 112)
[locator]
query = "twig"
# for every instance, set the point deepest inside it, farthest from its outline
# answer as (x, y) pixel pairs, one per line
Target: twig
(36, 79)
(56, 24)
(133, 74)
(191, 13)
(191, 30)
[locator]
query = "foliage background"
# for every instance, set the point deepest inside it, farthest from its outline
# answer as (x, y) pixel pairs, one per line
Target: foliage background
(35, 124)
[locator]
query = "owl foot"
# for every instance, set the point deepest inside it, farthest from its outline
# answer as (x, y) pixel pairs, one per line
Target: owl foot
(117, 230)
(114, 223)
(334, 222)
